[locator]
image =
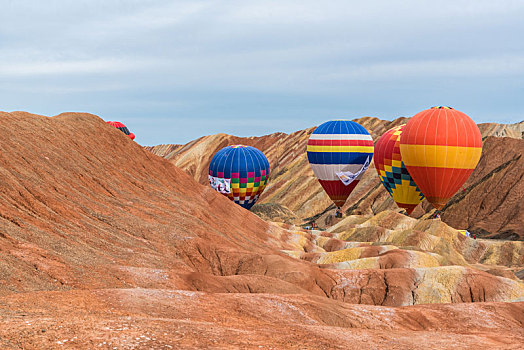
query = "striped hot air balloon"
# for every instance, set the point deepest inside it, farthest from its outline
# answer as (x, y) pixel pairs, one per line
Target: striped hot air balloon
(240, 173)
(440, 148)
(392, 171)
(339, 152)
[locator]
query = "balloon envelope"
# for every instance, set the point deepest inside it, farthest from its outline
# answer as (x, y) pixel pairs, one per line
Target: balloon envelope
(240, 173)
(336, 149)
(392, 171)
(122, 128)
(440, 148)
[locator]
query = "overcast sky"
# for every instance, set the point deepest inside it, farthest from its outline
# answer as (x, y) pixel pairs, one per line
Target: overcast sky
(176, 70)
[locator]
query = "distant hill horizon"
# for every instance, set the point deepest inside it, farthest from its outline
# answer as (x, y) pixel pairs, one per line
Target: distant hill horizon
(294, 194)
(490, 128)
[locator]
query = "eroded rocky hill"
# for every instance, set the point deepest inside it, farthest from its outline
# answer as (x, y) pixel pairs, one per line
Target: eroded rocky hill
(294, 195)
(104, 245)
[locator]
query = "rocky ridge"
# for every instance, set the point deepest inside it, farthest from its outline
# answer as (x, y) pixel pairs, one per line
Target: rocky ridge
(104, 244)
(293, 188)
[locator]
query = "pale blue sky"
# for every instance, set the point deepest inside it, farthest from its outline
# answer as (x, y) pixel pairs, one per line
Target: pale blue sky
(176, 70)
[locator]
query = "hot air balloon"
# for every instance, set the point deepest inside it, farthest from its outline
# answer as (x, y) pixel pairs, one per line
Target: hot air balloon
(240, 173)
(339, 152)
(122, 128)
(393, 173)
(440, 148)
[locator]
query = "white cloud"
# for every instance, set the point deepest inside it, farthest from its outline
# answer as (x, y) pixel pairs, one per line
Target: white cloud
(469, 67)
(67, 67)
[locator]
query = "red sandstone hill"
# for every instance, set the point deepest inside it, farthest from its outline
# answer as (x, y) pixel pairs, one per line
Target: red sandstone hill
(293, 194)
(104, 245)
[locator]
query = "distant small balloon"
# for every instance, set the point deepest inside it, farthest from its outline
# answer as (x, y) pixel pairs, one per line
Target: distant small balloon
(122, 128)
(239, 172)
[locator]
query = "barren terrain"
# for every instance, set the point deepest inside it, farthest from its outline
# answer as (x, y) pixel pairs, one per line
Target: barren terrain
(106, 245)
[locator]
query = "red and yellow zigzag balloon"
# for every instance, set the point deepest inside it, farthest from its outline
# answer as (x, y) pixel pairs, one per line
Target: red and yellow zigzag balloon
(392, 171)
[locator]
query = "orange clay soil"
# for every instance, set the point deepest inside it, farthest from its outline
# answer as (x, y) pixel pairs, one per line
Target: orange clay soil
(105, 245)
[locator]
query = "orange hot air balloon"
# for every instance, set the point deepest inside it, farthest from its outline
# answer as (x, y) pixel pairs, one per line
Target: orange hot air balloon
(440, 148)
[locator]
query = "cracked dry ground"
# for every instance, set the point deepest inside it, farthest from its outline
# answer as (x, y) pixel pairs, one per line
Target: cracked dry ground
(104, 245)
